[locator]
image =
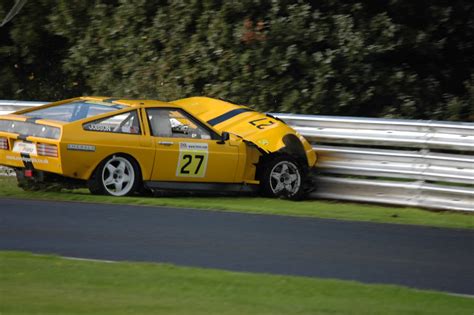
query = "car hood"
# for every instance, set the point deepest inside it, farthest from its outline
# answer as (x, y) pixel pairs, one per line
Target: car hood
(264, 131)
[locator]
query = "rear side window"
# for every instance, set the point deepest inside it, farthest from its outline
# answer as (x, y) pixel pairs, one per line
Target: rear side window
(74, 111)
(121, 123)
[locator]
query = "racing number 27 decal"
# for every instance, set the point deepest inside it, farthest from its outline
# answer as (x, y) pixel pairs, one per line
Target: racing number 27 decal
(192, 160)
(186, 169)
(261, 123)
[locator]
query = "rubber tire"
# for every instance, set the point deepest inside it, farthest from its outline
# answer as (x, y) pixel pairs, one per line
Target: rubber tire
(96, 186)
(265, 179)
(33, 185)
(28, 186)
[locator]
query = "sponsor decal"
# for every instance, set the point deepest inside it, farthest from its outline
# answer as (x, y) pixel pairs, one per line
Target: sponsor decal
(192, 146)
(27, 159)
(81, 147)
(192, 161)
(98, 127)
(24, 147)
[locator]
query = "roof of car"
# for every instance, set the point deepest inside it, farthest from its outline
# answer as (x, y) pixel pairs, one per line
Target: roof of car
(205, 107)
(123, 101)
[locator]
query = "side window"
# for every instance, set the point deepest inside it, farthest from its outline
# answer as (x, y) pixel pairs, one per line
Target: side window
(121, 123)
(173, 123)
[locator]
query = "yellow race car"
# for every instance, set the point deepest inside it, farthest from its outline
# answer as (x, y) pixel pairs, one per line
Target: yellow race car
(122, 146)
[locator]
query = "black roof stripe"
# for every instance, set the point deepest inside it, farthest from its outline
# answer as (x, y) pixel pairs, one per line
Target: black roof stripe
(228, 115)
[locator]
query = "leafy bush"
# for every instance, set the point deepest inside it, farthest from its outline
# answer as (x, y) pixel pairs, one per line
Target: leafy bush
(394, 58)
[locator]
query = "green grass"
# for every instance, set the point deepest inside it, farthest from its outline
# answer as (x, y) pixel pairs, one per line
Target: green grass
(33, 284)
(309, 208)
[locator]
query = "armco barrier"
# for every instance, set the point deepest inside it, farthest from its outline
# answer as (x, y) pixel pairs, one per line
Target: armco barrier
(13, 106)
(403, 162)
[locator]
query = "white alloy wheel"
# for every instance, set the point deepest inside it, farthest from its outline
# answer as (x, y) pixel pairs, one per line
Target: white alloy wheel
(118, 176)
(285, 179)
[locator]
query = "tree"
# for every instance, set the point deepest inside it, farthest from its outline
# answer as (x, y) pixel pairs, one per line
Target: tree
(369, 58)
(31, 55)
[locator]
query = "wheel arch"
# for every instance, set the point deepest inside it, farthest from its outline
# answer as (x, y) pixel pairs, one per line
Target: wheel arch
(294, 147)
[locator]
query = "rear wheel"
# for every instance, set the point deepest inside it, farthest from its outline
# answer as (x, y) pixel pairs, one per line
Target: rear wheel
(283, 177)
(117, 176)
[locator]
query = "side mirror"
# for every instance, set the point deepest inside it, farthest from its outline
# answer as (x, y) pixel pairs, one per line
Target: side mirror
(224, 137)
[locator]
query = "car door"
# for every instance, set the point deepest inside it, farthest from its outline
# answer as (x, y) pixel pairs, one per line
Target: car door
(187, 151)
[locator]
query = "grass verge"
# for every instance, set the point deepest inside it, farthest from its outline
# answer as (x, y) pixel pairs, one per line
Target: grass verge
(39, 284)
(310, 208)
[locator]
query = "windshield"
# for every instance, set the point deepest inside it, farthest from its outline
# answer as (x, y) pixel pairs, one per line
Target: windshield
(74, 111)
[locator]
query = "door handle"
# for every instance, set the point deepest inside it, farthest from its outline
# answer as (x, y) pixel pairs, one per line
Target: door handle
(166, 142)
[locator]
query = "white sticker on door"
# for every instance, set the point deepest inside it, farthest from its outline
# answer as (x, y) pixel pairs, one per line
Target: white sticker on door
(192, 161)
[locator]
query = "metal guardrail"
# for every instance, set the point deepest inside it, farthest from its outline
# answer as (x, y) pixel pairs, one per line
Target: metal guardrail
(7, 107)
(405, 162)
(416, 165)
(392, 161)
(421, 134)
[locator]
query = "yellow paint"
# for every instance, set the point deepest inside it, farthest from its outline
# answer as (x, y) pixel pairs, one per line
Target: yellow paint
(231, 162)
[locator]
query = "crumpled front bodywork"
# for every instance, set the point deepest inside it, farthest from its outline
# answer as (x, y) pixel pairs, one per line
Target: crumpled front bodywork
(268, 133)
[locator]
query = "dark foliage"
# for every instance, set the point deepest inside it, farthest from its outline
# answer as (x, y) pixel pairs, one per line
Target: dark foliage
(397, 58)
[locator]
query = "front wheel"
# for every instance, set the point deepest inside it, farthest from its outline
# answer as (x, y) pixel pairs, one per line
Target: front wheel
(283, 177)
(117, 176)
